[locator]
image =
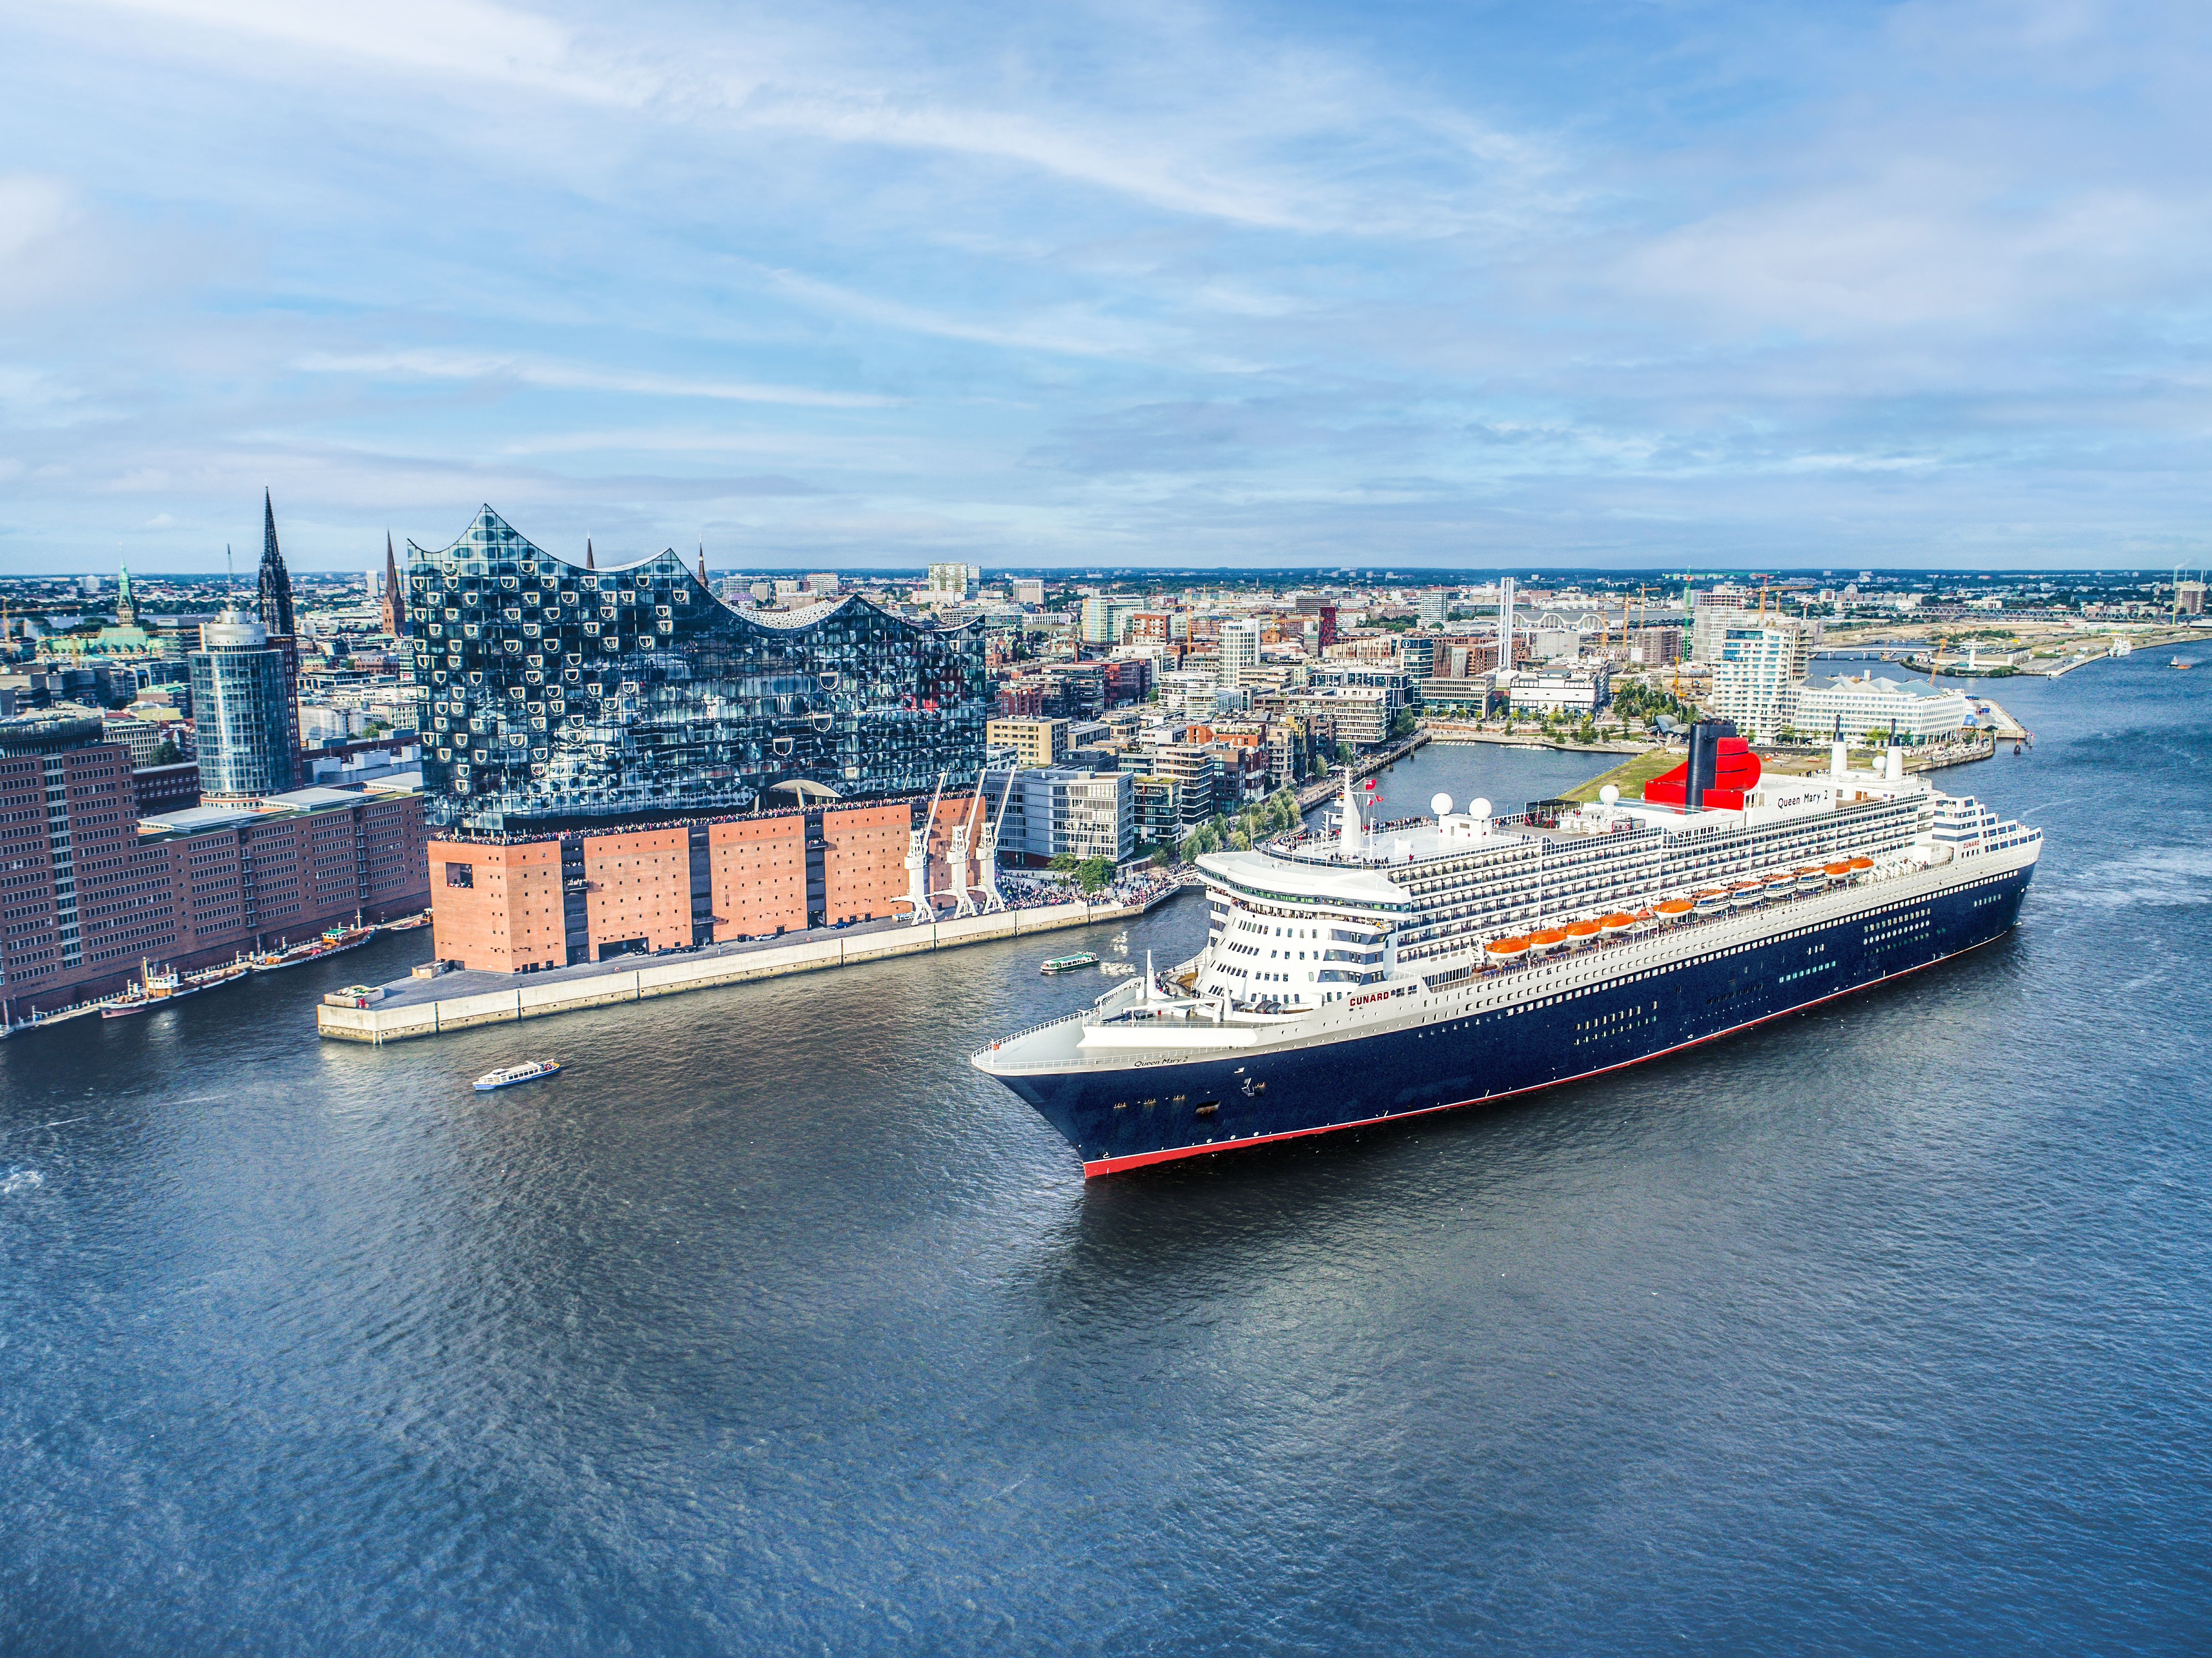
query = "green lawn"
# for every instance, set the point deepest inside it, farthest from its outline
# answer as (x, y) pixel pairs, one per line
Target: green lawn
(1631, 774)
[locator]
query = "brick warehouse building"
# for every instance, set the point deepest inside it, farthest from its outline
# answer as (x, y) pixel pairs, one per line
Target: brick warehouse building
(521, 904)
(88, 888)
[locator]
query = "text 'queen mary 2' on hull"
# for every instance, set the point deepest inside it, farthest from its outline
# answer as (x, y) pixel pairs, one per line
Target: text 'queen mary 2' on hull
(1380, 971)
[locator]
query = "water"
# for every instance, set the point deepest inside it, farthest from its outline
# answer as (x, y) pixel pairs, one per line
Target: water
(770, 1326)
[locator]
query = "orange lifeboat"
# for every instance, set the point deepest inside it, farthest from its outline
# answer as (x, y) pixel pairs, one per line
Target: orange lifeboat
(1673, 909)
(1582, 932)
(1550, 937)
(1617, 921)
(1835, 869)
(1647, 915)
(1506, 948)
(1858, 865)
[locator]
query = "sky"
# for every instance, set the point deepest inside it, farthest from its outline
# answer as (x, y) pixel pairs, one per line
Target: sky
(1626, 283)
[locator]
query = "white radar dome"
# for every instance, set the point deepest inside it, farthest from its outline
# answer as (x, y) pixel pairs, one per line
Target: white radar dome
(1478, 807)
(1440, 805)
(1609, 795)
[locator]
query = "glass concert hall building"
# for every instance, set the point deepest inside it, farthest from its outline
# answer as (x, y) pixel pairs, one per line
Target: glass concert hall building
(615, 762)
(552, 696)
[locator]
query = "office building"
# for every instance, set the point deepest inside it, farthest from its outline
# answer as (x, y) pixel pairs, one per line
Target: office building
(245, 712)
(96, 888)
(1036, 742)
(1865, 703)
(550, 694)
(1577, 689)
(1758, 671)
(1065, 810)
(1027, 590)
(951, 584)
(1240, 653)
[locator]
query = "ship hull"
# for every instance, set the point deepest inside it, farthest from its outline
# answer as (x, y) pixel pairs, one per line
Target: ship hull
(1121, 1118)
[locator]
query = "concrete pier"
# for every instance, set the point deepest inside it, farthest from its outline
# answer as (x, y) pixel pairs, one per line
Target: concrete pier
(419, 1008)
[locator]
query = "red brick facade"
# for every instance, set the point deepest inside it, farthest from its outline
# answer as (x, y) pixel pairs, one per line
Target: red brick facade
(638, 887)
(497, 908)
(864, 860)
(758, 866)
(180, 892)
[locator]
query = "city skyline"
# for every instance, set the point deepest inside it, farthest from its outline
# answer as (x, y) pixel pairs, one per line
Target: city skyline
(1607, 286)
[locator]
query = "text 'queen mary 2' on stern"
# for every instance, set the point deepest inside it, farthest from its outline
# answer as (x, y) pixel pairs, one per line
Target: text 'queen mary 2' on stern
(1381, 970)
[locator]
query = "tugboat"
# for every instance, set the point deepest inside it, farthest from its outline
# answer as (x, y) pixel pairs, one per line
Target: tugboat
(152, 990)
(1074, 963)
(2179, 662)
(508, 1076)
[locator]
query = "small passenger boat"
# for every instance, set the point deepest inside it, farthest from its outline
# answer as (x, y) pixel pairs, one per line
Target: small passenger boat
(508, 1076)
(1074, 963)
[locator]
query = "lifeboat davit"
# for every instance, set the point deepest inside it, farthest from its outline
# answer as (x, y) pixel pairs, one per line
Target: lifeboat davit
(1673, 909)
(1549, 937)
(1506, 949)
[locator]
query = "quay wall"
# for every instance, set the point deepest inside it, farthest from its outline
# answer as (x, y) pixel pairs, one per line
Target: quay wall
(527, 1001)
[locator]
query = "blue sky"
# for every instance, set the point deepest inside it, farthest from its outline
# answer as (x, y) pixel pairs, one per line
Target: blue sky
(1477, 284)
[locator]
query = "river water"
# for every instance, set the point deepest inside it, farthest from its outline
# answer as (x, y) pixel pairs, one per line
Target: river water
(771, 1327)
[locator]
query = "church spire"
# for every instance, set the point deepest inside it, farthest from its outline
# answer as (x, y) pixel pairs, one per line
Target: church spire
(589, 562)
(276, 603)
(395, 605)
(126, 608)
(703, 564)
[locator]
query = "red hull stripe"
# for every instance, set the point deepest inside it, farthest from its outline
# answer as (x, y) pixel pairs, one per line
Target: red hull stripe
(1116, 1165)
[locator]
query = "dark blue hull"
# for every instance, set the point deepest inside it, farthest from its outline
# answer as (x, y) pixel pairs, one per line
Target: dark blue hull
(1123, 1118)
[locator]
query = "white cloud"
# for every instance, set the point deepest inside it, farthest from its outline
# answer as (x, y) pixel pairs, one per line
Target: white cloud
(557, 376)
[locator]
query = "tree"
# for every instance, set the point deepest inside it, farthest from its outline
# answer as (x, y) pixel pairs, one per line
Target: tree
(1401, 725)
(1093, 873)
(1163, 858)
(1344, 752)
(1064, 862)
(168, 754)
(1585, 732)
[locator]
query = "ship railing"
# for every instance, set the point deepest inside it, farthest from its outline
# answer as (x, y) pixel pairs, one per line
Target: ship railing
(1041, 1024)
(1691, 922)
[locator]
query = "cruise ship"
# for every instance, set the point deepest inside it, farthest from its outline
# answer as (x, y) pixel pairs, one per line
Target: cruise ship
(1372, 971)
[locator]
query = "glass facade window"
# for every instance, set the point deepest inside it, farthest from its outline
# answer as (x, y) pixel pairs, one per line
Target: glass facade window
(548, 693)
(241, 710)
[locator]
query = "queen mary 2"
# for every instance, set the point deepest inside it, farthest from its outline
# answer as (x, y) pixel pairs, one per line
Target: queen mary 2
(1381, 970)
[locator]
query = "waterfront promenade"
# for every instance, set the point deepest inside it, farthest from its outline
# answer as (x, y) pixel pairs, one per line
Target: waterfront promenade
(409, 1008)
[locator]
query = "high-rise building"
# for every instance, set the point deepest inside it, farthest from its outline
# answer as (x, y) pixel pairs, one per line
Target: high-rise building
(243, 711)
(1239, 652)
(1104, 617)
(1758, 673)
(2188, 598)
(1028, 589)
(952, 584)
(550, 694)
(1431, 607)
(1712, 615)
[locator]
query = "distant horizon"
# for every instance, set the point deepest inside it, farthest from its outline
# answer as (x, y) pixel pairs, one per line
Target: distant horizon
(1598, 285)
